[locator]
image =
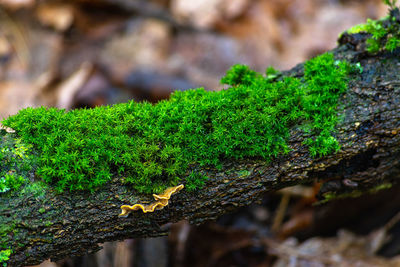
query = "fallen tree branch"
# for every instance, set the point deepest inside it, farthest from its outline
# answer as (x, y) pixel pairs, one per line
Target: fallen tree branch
(43, 224)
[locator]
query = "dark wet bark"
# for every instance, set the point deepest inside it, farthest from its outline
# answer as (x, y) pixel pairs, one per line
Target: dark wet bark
(59, 225)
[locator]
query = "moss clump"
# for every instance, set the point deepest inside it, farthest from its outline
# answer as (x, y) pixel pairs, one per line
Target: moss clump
(16, 162)
(5, 256)
(195, 180)
(151, 146)
(241, 74)
(385, 33)
(369, 27)
(11, 182)
(36, 189)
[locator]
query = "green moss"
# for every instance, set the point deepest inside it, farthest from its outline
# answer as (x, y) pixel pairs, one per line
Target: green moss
(271, 73)
(195, 180)
(151, 146)
(5, 256)
(333, 196)
(5, 250)
(11, 181)
(385, 33)
(358, 28)
(35, 189)
(353, 194)
(16, 162)
(374, 27)
(244, 173)
(390, 3)
(380, 187)
(241, 74)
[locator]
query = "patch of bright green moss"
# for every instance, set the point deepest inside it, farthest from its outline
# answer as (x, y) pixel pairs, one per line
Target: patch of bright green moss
(385, 33)
(16, 162)
(357, 28)
(390, 3)
(195, 180)
(368, 27)
(5, 256)
(5, 228)
(151, 146)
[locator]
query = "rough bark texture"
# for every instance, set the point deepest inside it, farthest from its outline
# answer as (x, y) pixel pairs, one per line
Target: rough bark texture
(60, 225)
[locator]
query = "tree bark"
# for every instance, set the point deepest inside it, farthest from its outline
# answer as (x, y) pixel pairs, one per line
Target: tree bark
(70, 224)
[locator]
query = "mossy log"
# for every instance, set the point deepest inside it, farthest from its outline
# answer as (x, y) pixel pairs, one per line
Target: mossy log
(41, 225)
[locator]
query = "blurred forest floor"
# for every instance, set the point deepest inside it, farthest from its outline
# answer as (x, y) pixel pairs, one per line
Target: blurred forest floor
(85, 53)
